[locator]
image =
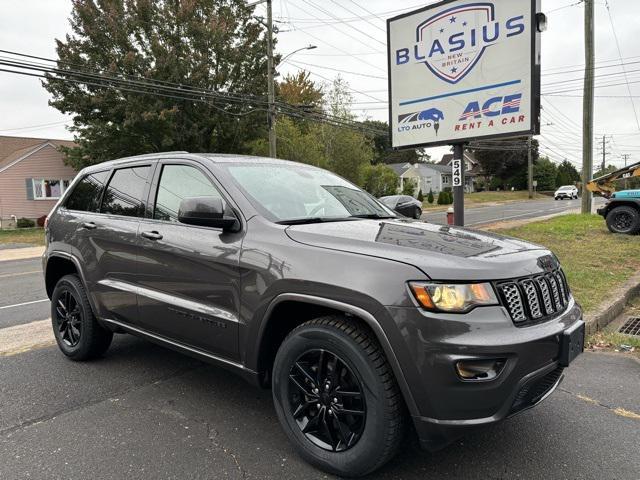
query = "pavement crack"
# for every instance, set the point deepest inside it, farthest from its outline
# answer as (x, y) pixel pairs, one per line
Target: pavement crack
(213, 436)
(45, 418)
(621, 412)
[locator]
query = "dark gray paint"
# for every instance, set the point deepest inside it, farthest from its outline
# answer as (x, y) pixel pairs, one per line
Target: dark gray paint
(209, 293)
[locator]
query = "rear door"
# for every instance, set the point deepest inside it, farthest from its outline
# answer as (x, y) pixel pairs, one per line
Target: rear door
(111, 246)
(189, 275)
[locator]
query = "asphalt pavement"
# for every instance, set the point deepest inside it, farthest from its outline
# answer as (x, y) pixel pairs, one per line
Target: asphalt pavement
(23, 297)
(477, 216)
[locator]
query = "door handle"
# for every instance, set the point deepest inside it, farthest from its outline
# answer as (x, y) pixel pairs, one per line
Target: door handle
(89, 225)
(152, 235)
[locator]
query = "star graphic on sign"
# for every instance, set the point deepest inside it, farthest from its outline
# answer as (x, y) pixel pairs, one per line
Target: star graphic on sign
(452, 20)
(454, 70)
(464, 24)
(442, 30)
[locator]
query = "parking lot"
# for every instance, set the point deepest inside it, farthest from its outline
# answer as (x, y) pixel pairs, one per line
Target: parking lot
(146, 412)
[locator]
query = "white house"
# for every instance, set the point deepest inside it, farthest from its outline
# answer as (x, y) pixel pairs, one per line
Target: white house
(428, 176)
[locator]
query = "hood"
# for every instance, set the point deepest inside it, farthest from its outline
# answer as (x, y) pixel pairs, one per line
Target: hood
(441, 252)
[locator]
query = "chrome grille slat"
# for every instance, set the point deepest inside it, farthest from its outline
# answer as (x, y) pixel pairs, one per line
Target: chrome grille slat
(532, 298)
(535, 298)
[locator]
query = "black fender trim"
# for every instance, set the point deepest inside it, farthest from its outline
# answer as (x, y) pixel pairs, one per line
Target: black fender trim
(360, 313)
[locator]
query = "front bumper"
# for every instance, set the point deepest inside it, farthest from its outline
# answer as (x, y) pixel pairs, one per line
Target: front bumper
(448, 407)
(602, 212)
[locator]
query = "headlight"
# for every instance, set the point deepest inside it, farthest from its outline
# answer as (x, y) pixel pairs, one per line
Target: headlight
(455, 298)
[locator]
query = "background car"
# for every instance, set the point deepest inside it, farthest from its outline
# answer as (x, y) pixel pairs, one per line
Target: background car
(567, 191)
(404, 205)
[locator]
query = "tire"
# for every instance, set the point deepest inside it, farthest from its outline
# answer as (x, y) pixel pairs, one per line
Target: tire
(624, 219)
(78, 334)
(555, 198)
(418, 213)
(373, 437)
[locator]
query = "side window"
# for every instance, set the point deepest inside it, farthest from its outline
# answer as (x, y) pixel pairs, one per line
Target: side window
(178, 182)
(124, 193)
(86, 194)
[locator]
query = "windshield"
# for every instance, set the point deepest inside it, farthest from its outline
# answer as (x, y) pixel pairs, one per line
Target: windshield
(567, 188)
(299, 193)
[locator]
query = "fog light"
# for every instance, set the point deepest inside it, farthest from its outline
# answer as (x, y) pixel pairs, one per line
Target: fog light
(479, 370)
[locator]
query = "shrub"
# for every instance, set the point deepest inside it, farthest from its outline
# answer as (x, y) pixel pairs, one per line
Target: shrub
(420, 197)
(25, 223)
(41, 220)
(430, 197)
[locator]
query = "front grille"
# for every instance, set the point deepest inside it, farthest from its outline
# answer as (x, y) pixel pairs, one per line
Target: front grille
(536, 298)
(534, 391)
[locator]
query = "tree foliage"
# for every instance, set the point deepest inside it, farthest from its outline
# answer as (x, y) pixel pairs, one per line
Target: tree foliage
(216, 45)
(546, 173)
(506, 165)
(567, 174)
(380, 180)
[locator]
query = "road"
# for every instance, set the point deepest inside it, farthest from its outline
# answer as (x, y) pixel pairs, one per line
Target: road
(146, 412)
(476, 216)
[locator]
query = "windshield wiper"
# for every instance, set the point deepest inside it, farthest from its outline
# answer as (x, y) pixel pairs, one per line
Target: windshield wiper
(375, 216)
(306, 221)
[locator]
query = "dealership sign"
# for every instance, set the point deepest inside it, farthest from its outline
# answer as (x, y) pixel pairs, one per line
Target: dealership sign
(463, 70)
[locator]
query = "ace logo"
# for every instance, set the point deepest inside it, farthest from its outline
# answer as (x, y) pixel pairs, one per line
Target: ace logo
(494, 107)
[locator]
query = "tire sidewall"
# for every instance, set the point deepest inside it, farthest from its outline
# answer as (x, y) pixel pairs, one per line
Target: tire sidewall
(618, 210)
(359, 458)
(71, 283)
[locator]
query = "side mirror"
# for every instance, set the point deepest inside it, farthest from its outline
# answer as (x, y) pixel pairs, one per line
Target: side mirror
(206, 212)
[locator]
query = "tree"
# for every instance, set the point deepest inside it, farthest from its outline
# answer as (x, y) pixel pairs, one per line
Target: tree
(300, 90)
(507, 162)
(409, 187)
(546, 173)
(420, 196)
(430, 197)
(213, 45)
(380, 180)
(567, 174)
(378, 133)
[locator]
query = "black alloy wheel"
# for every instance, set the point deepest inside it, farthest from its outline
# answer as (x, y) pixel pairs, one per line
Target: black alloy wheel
(69, 318)
(327, 400)
(76, 329)
(624, 219)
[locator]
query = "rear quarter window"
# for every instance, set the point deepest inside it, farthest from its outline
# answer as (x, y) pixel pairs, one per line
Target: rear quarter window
(86, 195)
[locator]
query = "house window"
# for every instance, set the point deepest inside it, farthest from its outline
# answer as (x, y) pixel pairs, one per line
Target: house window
(445, 180)
(44, 189)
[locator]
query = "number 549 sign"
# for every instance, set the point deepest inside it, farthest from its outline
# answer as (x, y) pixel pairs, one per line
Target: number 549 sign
(456, 166)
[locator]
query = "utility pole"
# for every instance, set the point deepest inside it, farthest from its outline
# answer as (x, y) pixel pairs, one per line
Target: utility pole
(587, 114)
(530, 165)
(458, 182)
(272, 86)
(625, 157)
(604, 152)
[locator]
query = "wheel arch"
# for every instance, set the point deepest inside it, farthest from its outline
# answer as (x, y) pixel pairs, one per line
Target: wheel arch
(272, 332)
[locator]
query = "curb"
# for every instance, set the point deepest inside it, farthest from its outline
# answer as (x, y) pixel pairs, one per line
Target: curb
(610, 310)
(21, 253)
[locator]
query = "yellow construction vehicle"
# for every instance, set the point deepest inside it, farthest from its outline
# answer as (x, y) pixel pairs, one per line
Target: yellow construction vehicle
(622, 211)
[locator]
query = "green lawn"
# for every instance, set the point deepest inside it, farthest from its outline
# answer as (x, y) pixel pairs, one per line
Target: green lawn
(594, 260)
(34, 236)
(477, 199)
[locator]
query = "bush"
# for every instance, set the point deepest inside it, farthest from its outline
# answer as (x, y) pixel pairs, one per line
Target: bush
(420, 197)
(409, 187)
(430, 197)
(379, 180)
(41, 220)
(25, 223)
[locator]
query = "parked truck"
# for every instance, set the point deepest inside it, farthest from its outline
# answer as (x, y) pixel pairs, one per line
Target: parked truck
(622, 211)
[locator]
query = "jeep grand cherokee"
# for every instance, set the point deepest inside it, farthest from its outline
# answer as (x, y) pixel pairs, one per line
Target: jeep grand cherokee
(361, 322)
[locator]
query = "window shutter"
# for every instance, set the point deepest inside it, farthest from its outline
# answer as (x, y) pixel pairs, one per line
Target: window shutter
(29, 184)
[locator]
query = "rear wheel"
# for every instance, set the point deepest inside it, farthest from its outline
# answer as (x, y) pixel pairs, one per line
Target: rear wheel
(624, 219)
(77, 332)
(336, 397)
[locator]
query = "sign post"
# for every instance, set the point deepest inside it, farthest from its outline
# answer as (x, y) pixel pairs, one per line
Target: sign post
(462, 71)
(457, 181)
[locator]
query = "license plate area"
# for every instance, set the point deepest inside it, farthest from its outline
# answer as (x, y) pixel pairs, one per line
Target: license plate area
(571, 344)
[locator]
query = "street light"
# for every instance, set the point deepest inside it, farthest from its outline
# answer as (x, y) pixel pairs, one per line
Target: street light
(310, 47)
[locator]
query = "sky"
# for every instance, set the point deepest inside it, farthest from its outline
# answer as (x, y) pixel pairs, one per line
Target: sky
(351, 41)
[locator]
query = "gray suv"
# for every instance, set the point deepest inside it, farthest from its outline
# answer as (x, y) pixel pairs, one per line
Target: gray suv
(364, 324)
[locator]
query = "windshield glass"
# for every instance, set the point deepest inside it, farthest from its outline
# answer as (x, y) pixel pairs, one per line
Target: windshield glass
(292, 192)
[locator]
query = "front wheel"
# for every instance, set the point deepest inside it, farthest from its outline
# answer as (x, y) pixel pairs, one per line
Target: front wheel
(624, 219)
(418, 213)
(336, 397)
